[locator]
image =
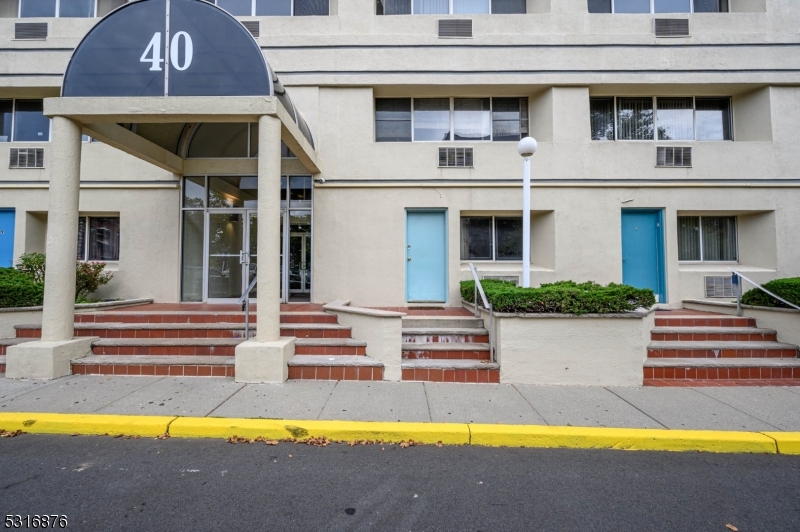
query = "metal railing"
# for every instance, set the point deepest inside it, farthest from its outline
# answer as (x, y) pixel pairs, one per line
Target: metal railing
(735, 281)
(487, 306)
(244, 301)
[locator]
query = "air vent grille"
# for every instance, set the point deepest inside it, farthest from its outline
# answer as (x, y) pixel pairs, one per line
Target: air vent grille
(720, 287)
(673, 157)
(455, 158)
(253, 26)
(30, 30)
(455, 28)
(671, 27)
(26, 158)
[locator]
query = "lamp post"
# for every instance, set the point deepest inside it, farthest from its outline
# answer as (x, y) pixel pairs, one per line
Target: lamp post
(526, 148)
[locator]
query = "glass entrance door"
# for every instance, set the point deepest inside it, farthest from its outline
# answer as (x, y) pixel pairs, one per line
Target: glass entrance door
(299, 255)
(231, 259)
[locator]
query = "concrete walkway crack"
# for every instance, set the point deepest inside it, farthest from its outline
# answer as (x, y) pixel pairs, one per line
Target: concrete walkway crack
(530, 404)
(777, 447)
(127, 394)
(427, 402)
(637, 408)
(226, 400)
(321, 410)
(170, 424)
(738, 410)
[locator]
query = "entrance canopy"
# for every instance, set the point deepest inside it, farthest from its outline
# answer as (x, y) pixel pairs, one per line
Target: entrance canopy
(169, 66)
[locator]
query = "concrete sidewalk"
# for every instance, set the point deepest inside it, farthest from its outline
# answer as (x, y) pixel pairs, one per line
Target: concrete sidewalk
(725, 408)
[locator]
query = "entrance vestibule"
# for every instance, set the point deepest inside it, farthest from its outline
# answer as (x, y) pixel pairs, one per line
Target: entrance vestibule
(220, 233)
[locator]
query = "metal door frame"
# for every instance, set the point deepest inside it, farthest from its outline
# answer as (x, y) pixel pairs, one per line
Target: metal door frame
(246, 213)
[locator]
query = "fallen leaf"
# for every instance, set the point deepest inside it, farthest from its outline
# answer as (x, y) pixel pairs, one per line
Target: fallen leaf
(731, 527)
(10, 433)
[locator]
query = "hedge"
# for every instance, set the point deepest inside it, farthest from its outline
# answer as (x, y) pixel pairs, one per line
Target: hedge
(788, 289)
(565, 297)
(18, 290)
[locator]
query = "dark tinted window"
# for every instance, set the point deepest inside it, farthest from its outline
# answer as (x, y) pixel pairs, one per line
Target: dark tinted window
(37, 8)
(303, 8)
(30, 124)
(237, 7)
(713, 118)
(273, 8)
(599, 6)
(509, 238)
(394, 7)
(602, 118)
(476, 238)
(500, 7)
(300, 187)
(103, 238)
(76, 8)
(6, 109)
(509, 118)
(393, 120)
(710, 6)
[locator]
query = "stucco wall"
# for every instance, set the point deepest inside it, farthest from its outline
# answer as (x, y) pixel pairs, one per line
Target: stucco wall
(576, 350)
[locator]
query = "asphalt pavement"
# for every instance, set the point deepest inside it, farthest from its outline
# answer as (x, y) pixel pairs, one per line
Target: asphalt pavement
(103, 483)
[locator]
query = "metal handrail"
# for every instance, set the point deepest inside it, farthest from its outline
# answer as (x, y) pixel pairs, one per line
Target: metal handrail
(245, 302)
(736, 275)
(487, 306)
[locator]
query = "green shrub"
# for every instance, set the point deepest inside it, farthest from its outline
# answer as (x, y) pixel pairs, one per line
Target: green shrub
(89, 277)
(788, 289)
(565, 297)
(32, 264)
(17, 289)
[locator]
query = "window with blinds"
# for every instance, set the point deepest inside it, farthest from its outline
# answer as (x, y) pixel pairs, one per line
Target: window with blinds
(275, 8)
(666, 119)
(450, 7)
(707, 239)
(658, 6)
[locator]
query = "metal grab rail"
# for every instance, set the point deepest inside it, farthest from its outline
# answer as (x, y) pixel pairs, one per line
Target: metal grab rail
(487, 306)
(735, 281)
(245, 302)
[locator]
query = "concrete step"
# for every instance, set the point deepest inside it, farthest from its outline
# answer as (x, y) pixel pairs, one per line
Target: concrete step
(722, 369)
(217, 346)
(442, 322)
(174, 366)
(335, 368)
(197, 317)
(699, 320)
(446, 351)
(730, 334)
(189, 330)
(427, 335)
(473, 371)
(721, 349)
(6, 342)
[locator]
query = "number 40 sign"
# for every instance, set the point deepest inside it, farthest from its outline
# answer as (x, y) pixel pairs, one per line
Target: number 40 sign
(154, 51)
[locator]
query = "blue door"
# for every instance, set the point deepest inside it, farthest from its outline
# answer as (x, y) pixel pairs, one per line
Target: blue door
(643, 251)
(6, 238)
(426, 256)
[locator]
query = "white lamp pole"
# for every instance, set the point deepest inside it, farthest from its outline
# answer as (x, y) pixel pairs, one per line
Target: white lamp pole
(526, 148)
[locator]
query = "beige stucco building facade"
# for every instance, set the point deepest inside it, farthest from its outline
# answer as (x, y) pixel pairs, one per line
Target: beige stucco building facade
(348, 226)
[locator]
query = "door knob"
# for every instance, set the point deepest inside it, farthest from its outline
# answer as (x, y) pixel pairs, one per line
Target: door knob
(409, 259)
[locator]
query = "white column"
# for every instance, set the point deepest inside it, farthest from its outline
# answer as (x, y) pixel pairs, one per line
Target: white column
(62, 231)
(269, 238)
(526, 224)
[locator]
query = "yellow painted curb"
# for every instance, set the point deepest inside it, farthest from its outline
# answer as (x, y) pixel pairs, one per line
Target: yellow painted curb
(276, 429)
(788, 442)
(627, 439)
(38, 423)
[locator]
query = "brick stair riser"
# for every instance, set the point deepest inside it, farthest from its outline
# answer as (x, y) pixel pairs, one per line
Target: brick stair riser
(160, 370)
(3, 350)
(446, 339)
(706, 337)
(336, 373)
(446, 355)
(738, 373)
(2, 368)
(217, 350)
(721, 353)
(190, 333)
(705, 322)
(329, 350)
(481, 376)
(686, 383)
(196, 318)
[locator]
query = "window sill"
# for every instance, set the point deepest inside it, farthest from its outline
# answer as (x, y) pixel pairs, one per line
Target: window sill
(717, 267)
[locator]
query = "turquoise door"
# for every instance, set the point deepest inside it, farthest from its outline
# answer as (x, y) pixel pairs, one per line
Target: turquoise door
(643, 250)
(426, 256)
(6, 238)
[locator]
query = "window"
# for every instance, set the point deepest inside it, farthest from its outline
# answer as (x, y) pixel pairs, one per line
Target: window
(23, 121)
(445, 119)
(658, 6)
(450, 7)
(102, 242)
(491, 238)
(57, 8)
(707, 238)
(683, 118)
(275, 8)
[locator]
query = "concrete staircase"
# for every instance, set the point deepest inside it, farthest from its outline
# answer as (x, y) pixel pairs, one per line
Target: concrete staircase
(447, 349)
(702, 349)
(203, 344)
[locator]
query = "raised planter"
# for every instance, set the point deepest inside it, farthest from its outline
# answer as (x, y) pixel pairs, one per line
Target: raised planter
(21, 315)
(590, 350)
(784, 320)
